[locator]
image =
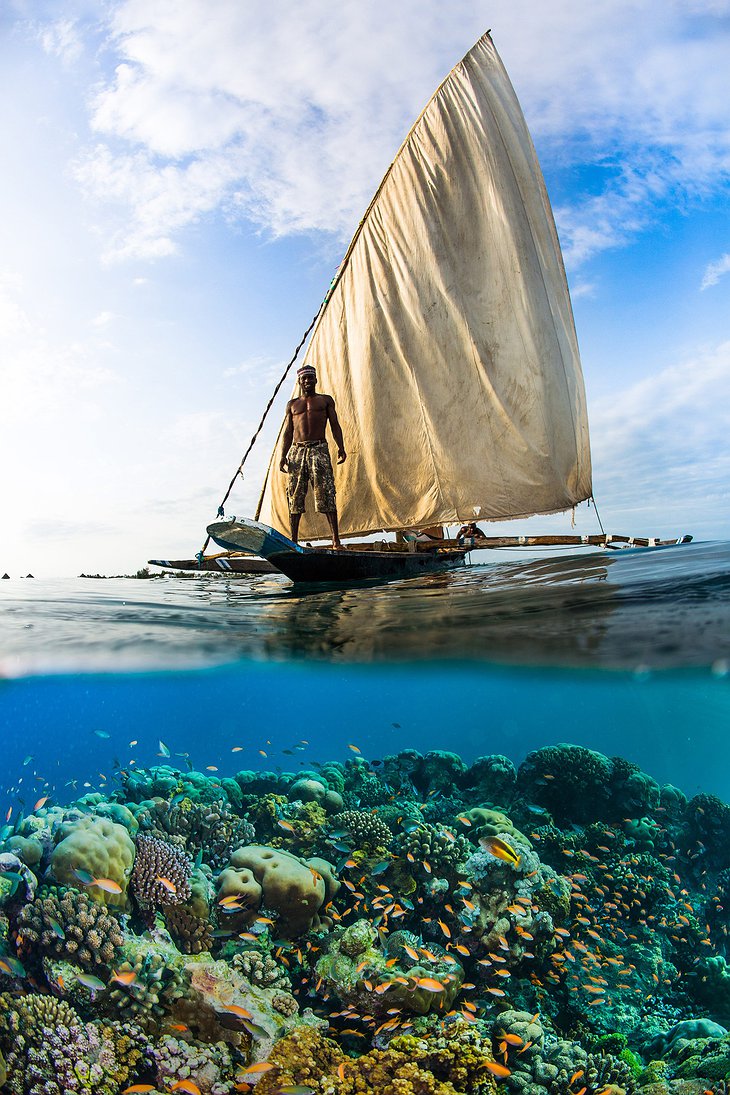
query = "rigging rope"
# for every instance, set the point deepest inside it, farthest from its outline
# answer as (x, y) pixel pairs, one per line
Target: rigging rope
(239, 469)
(600, 522)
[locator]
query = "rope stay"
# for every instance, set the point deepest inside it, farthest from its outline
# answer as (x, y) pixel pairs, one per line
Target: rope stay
(252, 442)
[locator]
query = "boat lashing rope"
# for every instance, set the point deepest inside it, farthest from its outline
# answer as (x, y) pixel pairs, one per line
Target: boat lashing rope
(239, 470)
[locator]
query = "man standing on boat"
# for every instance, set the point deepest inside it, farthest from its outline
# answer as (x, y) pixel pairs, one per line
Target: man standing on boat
(305, 455)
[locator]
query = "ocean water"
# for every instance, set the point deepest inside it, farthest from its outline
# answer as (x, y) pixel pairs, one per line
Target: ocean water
(526, 829)
(624, 652)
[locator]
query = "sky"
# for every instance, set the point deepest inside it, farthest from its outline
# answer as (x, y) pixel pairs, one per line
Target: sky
(181, 179)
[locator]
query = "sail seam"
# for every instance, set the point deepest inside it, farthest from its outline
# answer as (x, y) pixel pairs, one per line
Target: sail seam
(548, 298)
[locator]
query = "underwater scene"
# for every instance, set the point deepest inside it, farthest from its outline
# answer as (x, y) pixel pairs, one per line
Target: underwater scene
(466, 833)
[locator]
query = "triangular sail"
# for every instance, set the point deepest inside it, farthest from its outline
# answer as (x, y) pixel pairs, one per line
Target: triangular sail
(448, 341)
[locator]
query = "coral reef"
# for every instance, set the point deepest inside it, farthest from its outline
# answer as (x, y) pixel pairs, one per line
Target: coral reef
(419, 926)
(51, 1051)
(294, 889)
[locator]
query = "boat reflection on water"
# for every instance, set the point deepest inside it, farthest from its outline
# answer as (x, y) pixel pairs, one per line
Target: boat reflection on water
(594, 610)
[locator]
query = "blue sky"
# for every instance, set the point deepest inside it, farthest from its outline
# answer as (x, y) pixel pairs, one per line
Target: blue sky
(184, 176)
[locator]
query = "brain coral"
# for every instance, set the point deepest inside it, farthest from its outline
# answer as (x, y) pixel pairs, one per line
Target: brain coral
(574, 783)
(294, 888)
(99, 846)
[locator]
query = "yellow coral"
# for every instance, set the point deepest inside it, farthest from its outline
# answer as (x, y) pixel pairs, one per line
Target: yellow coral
(99, 846)
(452, 1063)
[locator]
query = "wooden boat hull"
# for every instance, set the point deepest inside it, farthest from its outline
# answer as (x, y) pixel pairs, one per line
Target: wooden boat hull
(218, 564)
(322, 565)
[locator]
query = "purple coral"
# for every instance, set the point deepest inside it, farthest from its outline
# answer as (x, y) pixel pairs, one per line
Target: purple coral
(161, 874)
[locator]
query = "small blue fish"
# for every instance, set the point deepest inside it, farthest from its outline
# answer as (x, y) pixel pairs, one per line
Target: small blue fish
(380, 868)
(28, 759)
(85, 877)
(164, 751)
(56, 928)
(102, 734)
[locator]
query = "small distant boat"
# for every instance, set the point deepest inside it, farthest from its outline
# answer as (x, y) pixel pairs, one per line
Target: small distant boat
(448, 341)
(226, 562)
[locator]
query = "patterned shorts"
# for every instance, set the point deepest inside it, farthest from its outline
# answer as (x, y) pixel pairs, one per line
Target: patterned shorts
(309, 461)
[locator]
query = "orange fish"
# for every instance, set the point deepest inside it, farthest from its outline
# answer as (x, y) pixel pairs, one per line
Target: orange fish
(497, 1070)
(237, 1010)
(107, 884)
(430, 984)
(171, 888)
(126, 978)
(186, 1085)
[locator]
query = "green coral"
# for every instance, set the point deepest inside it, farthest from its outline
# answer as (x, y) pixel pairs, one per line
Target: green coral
(359, 973)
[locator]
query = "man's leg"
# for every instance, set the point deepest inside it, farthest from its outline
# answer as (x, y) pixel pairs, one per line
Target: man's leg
(332, 518)
(295, 518)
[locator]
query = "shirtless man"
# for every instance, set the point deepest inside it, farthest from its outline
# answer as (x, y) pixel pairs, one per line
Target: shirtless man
(305, 454)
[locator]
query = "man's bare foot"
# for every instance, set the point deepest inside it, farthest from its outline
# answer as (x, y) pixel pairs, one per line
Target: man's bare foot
(337, 545)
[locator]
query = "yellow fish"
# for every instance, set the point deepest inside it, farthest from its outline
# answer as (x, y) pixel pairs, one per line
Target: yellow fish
(501, 849)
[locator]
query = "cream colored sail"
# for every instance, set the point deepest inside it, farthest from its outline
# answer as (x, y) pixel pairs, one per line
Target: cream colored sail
(448, 341)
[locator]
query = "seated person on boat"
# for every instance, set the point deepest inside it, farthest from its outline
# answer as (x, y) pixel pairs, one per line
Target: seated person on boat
(305, 453)
(469, 532)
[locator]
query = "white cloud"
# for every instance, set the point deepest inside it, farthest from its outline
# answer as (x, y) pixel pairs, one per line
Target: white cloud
(288, 116)
(715, 271)
(13, 317)
(62, 39)
(664, 441)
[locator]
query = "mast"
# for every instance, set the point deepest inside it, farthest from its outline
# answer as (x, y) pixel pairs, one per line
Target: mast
(448, 339)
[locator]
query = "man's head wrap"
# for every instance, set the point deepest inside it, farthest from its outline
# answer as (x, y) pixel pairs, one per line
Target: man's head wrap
(306, 371)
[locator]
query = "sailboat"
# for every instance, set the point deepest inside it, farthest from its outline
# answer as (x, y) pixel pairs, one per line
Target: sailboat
(448, 342)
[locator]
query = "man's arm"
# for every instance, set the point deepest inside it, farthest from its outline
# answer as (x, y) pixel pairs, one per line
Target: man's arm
(336, 431)
(287, 438)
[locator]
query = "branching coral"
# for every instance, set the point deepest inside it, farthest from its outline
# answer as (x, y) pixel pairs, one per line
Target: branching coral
(364, 828)
(68, 924)
(154, 985)
(51, 1051)
(261, 969)
(433, 849)
(209, 1067)
(211, 827)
